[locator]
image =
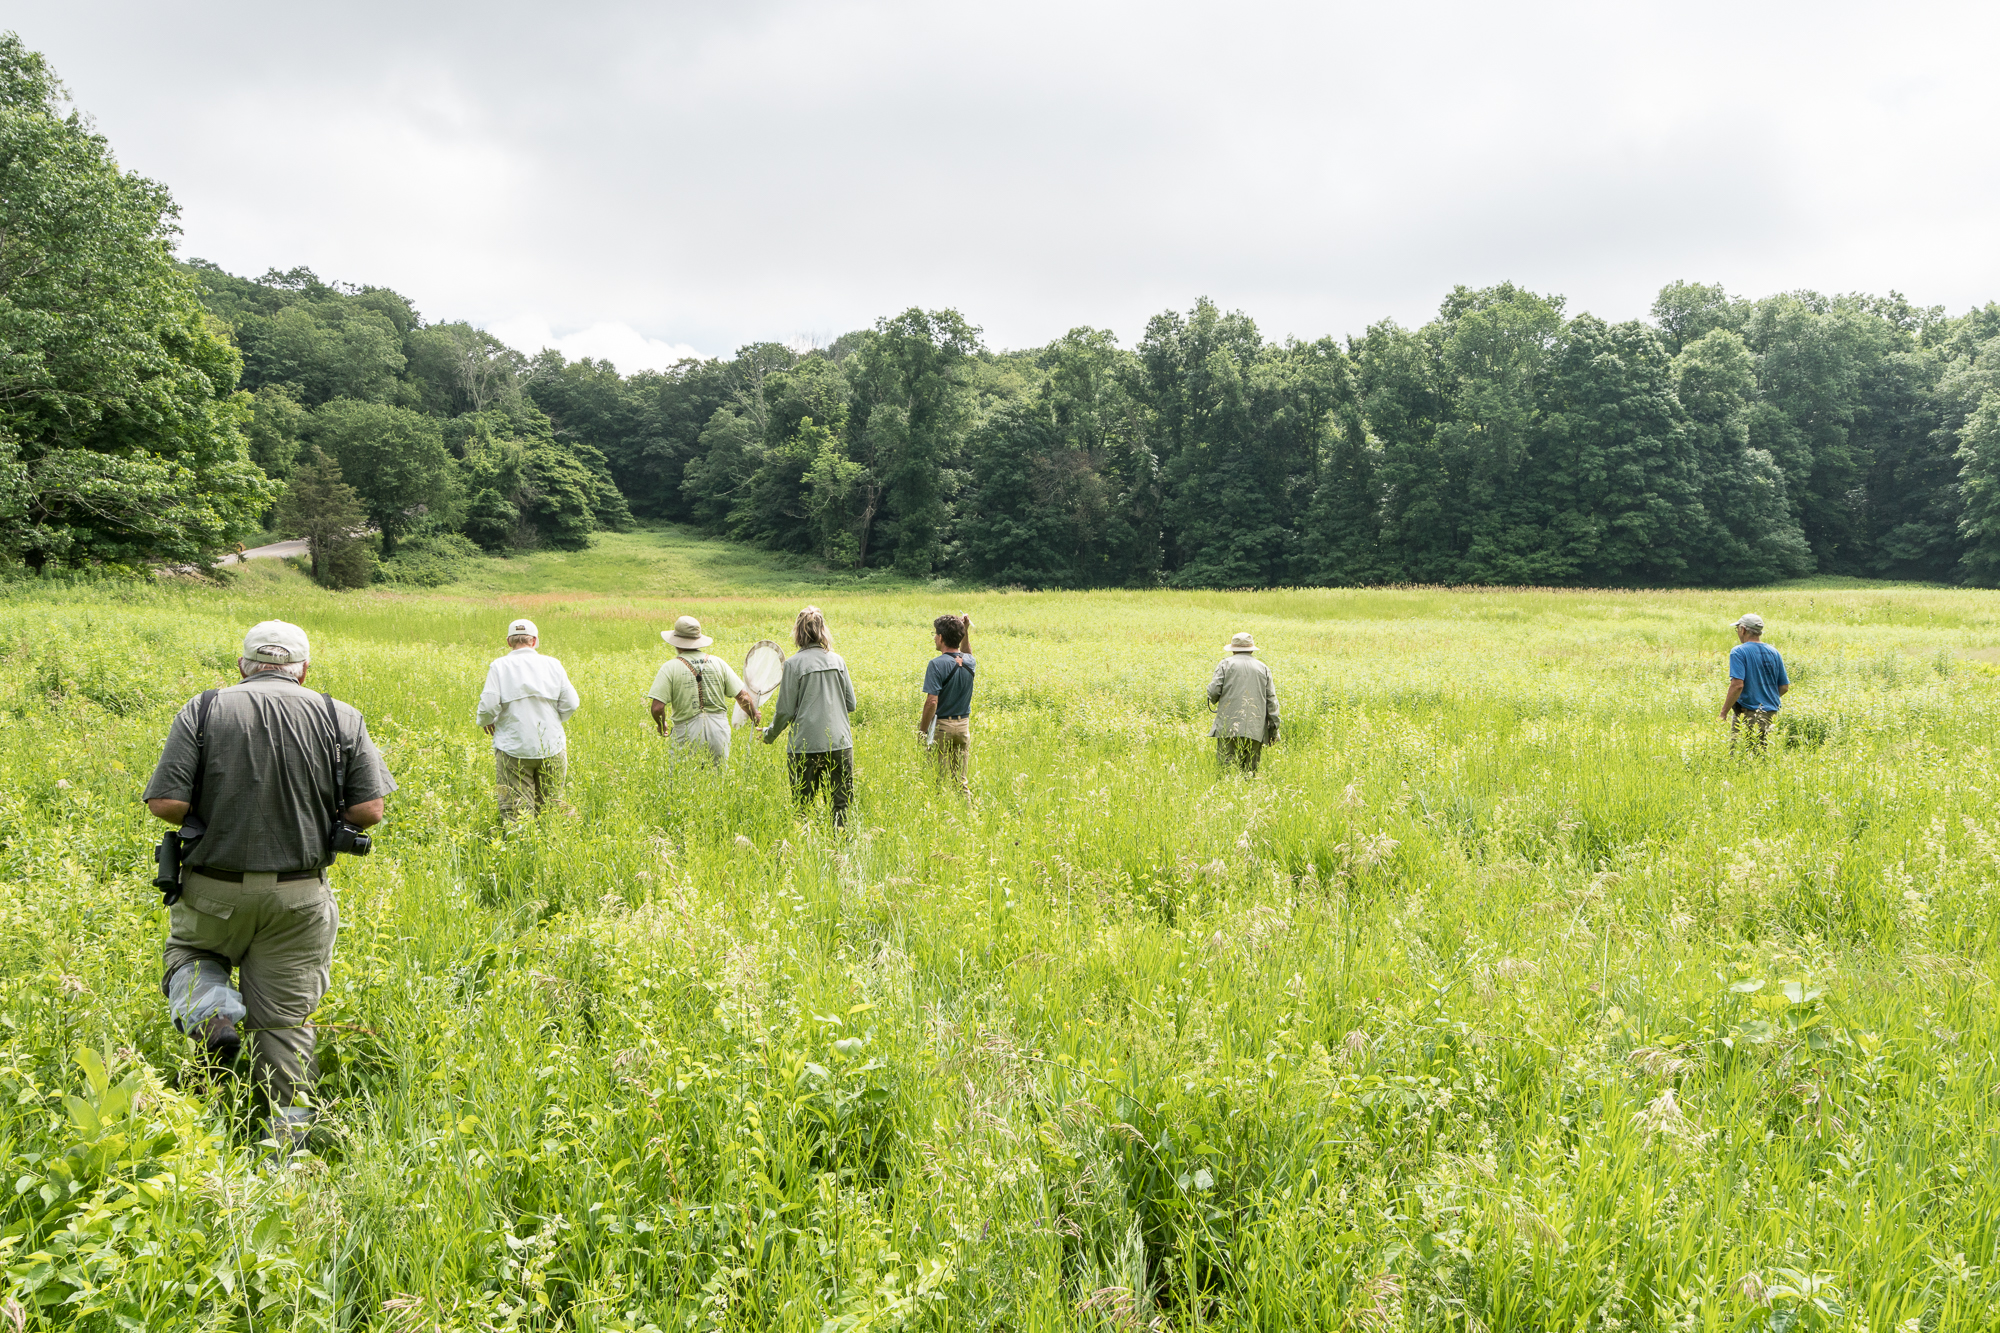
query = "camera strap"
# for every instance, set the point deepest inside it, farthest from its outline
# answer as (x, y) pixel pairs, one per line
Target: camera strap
(170, 889)
(339, 762)
(200, 746)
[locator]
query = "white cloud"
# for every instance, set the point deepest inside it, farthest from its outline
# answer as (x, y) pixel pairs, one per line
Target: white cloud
(714, 175)
(620, 344)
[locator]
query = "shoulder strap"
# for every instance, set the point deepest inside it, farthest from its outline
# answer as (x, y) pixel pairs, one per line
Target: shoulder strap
(339, 759)
(700, 695)
(200, 745)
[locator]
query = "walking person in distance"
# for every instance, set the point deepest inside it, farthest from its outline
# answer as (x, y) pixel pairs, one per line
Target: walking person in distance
(1246, 706)
(815, 696)
(523, 707)
(695, 688)
(1757, 683)
(267, 780)
(946, 725)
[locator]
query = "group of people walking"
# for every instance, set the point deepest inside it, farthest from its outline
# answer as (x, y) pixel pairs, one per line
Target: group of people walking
(264, 782)
(528, 697)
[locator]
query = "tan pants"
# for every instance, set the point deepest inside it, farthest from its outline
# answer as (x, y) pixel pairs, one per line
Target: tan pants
(524, 786)
(951, 751)
(279, 937)
(1753, 723)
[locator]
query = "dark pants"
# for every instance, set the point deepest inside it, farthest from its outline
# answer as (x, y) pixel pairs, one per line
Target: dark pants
(834, 769)
(1242, 751)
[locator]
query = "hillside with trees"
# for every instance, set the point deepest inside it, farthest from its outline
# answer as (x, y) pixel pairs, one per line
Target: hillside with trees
(154, 412)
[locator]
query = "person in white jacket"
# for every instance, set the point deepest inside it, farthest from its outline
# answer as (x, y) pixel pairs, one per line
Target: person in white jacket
(527, 699)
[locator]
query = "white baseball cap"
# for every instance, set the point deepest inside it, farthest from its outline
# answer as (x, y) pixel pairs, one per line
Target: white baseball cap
(526, 627)
(277, 641)
(1753, 621)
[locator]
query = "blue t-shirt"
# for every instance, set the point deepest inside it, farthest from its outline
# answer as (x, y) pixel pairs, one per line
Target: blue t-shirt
(1761, 670)
(954, 691)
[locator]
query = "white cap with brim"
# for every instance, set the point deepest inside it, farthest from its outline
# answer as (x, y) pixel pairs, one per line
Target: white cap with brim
(278, 642)
(521, 627)
(1753, 621)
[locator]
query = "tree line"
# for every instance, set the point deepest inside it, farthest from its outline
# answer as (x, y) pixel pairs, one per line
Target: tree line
(157, 411)
(1503, 442)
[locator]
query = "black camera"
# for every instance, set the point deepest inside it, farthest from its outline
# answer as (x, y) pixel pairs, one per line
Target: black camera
(349, 839)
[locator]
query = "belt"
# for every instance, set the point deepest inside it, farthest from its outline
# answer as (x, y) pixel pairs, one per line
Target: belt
(953, 717)
(236, 876)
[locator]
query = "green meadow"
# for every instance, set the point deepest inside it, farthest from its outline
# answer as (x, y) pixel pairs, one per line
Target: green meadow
(1507, 996)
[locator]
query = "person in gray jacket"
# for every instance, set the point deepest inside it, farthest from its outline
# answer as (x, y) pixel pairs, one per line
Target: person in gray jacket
(1246, 706)
(814, 698)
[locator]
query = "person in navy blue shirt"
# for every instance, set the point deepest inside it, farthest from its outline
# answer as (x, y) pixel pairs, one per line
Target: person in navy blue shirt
(948, 700)
(1757, 681)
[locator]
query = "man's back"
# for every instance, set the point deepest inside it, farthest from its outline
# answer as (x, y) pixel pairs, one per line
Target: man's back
(1761, 670)
(949, 676)
(1245, 697)
(527, 699)
(267, 792)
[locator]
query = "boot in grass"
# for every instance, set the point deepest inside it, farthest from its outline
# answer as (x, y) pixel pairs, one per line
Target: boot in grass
(219, 1036)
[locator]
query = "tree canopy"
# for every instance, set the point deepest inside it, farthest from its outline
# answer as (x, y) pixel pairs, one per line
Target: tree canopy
(121, 430)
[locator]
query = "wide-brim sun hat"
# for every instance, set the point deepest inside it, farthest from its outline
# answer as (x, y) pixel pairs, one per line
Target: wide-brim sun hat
(686, 633)
(1242, 643)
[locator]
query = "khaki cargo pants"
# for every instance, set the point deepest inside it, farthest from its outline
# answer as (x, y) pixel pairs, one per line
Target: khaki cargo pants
(524, 786)
(280, 939)
(951, 751)
(1754, 724)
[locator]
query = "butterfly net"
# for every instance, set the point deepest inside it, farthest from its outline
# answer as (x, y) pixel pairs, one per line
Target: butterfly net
(763, 666)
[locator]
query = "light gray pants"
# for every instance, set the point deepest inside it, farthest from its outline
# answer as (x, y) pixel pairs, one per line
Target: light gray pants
(279, 939)
(709, 731)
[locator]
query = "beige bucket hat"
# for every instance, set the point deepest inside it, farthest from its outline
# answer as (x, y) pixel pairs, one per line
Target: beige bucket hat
(686, 633)
(1242, 643)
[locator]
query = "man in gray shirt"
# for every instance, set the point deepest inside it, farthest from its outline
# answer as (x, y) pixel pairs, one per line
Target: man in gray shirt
(1246, 706)
(255, 763)
(815, 696)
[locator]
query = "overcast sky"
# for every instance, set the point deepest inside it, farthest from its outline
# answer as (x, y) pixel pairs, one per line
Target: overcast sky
(642, 180)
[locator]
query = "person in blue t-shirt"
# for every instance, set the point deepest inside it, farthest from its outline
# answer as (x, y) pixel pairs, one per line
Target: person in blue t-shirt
(1757, 680)
(946, 725)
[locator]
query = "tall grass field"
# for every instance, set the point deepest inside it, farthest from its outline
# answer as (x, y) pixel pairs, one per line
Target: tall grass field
(1506, 996)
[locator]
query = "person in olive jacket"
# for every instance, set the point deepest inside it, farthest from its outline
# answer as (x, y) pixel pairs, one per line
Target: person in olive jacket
(1246, 706)
(815, 695)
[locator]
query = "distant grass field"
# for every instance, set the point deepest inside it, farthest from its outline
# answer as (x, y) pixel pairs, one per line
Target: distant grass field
(1506, 997)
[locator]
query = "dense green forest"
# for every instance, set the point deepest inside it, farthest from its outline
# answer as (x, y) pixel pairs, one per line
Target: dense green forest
(157, 411)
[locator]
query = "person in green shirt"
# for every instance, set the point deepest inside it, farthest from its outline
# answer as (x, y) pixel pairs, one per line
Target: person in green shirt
(695, 688)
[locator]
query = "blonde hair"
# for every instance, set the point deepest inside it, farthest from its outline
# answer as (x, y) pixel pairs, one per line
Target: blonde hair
(810, 631)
